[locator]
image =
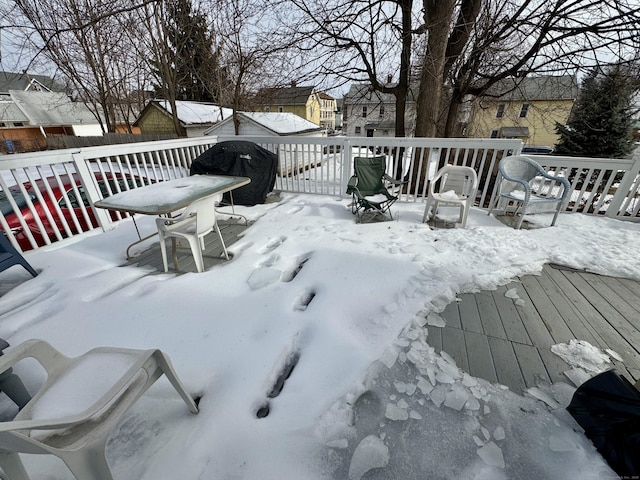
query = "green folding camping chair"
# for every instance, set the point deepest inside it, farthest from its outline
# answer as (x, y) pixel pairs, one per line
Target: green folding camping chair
(368, 187)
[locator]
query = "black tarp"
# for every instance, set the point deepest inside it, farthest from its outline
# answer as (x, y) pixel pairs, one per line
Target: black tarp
(240, 158)
(607, 407)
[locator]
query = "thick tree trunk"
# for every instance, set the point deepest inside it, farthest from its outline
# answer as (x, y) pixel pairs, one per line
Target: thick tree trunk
(437, 15)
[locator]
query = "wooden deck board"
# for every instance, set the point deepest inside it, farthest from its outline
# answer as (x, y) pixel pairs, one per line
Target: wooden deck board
(492, 337)
(212, 256)
(510, 317)
(479, 354)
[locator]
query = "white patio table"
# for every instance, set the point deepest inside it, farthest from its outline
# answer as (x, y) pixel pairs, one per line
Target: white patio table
(164, 198)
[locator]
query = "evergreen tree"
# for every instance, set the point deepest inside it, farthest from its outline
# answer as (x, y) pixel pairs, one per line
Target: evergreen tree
(601, 123)
(190, 49)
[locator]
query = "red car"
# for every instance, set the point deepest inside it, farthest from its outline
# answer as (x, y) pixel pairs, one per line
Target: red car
(69, 210)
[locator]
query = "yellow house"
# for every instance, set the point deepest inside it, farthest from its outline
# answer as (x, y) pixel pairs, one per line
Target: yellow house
(527, 108)
(316, 107)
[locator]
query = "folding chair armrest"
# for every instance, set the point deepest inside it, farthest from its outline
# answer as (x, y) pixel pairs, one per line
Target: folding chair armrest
(392, 180)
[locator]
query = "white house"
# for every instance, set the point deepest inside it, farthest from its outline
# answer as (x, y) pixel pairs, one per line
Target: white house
(49, 110)
(266, 124)
(276, 124)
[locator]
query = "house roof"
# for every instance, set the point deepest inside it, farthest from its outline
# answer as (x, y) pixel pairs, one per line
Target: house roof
(279, 123)
(562, 87)
(285, 95)
(10, 112)
(193, 113)
(362, 93)
(52, 108)
(26, 81)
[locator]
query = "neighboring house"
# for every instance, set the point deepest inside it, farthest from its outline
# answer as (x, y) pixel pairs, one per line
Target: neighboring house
(27, 82)
(526, 108)
(277, 124)
(369, 113)
(196, 117)
(29, 119)
(306, 102)
(266, 124)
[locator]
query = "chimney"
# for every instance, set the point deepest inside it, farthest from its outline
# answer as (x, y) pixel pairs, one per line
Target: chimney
(389, 79)
(293, 84)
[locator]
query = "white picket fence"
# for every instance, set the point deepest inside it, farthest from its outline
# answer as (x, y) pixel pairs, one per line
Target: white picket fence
(306, 165)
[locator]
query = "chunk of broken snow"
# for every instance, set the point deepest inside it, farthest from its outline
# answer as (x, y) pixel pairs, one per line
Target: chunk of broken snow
(491, 454)
(370, 453)
(435, 320)
(456, 398)
(394, 412)
(613, 354)
(535, 392)
(389, 357)
(579, 353)
(512, 293)
(498, 433)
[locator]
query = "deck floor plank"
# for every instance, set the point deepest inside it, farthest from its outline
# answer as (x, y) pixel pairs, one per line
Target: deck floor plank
(556, 285)
(510, 343)
(506, 364)
(453, 343)
(469, 315)
(536, 313)
(479, 355)
(510, 317)
(531, 365)
(491, 323)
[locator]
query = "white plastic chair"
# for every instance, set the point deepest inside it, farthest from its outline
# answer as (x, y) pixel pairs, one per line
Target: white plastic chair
(456, 185)
(196, 221)
(81, 401)
(517, 175)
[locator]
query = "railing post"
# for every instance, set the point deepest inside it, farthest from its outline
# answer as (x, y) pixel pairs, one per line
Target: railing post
(91, 190)
(623, 190)
(347, 160)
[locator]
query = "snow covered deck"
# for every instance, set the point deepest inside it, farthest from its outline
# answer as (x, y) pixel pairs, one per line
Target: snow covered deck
(309, 348)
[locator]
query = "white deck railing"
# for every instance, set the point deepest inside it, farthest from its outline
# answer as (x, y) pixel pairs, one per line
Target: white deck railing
(306, 164)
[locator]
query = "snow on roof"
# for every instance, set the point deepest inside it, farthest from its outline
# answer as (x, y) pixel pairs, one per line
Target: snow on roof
(191, 113)
(9, 112)
(282, 123)
(52, 108)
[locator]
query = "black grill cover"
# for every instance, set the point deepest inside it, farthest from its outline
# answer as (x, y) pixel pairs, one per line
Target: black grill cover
(608, 408)
(240, 159)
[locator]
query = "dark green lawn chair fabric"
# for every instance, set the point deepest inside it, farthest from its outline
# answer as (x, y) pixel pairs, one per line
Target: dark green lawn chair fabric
(370, 180)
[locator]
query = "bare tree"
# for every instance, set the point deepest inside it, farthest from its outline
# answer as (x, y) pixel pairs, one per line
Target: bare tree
(518, 38)
(252, 52)
(361, 40)
(84, 40)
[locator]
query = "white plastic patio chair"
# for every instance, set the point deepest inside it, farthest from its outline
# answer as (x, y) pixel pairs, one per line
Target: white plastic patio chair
(452, 185)
(196, 221)
(517, 177)
(81, 401)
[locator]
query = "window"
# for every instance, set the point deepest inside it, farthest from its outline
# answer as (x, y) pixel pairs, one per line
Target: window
(500, 110)
(18, 124)
(280, 109)
(494, 134)
(524, 110)
(382, 110)
(358, 130)
(267, 108)
(364, 112)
